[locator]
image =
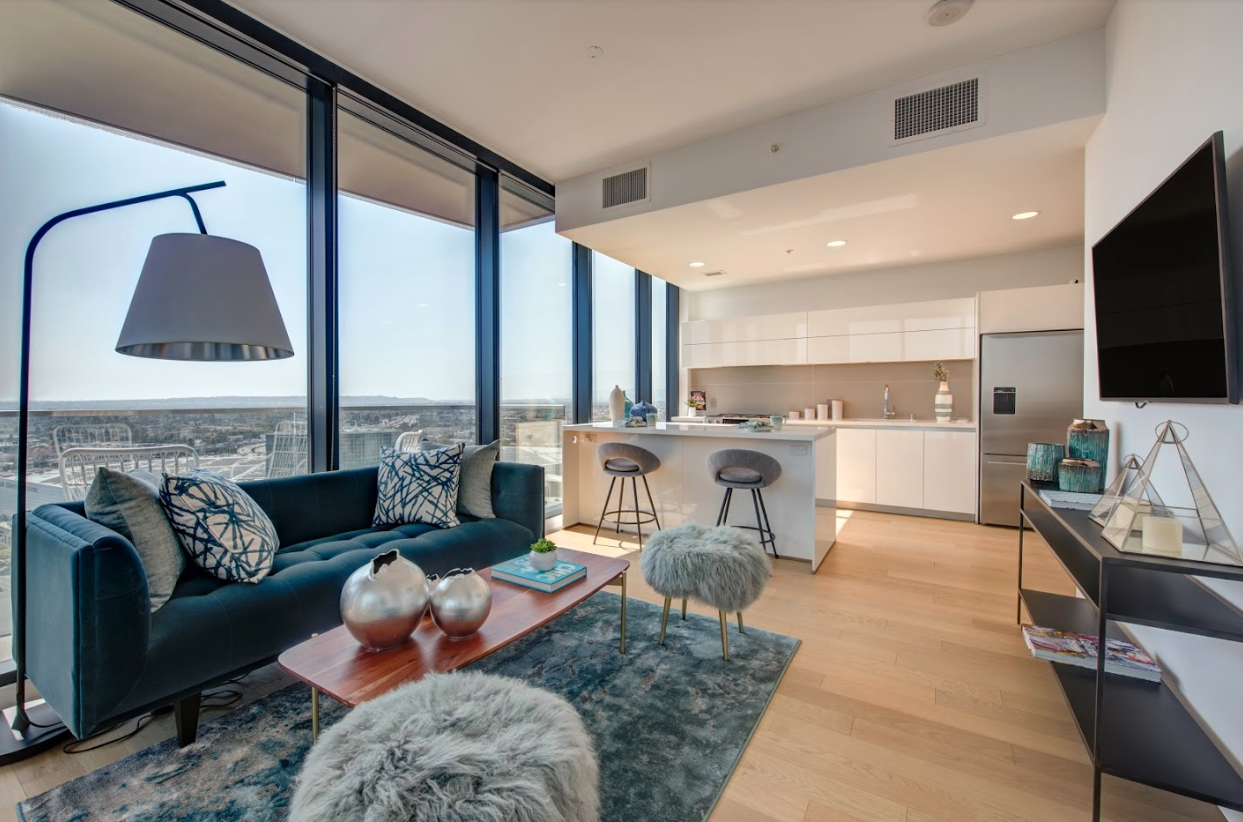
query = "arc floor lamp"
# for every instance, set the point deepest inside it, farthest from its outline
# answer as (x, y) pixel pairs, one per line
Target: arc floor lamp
(199, 297)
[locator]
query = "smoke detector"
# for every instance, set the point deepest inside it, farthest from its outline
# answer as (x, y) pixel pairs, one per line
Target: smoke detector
(944, 12)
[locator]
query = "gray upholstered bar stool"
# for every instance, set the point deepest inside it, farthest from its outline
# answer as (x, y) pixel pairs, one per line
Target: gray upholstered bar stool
(739, 468)
(624, 461)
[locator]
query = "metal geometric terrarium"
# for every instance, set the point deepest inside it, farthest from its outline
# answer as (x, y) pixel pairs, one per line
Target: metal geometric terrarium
(1141, 522)
(1104, 509)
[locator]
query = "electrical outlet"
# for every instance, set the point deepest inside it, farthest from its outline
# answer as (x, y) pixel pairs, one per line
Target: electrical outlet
(589, 437)
(799, 450)
(712, 403)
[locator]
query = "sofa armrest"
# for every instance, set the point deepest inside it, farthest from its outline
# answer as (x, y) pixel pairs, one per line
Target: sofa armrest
(88, 622)
(518, 494)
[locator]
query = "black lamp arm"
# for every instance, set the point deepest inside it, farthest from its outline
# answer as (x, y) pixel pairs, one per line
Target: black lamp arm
(21, 722)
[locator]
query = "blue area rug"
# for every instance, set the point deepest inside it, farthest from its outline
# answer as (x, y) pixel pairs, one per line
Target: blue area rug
(669, 725)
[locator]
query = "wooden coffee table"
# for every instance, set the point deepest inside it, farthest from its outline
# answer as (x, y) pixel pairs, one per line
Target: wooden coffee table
(335, 664)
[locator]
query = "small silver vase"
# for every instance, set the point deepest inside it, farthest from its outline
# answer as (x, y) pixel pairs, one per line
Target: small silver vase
(461, 602)
(383, 601)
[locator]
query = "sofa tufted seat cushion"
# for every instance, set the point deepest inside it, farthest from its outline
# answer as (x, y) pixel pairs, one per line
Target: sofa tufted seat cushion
(207, 627)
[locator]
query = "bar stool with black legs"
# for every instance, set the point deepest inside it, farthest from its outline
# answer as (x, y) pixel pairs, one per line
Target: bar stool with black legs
(739, 468)
(624, 461)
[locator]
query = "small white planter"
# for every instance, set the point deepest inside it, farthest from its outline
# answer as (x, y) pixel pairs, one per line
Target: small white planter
(544, 562)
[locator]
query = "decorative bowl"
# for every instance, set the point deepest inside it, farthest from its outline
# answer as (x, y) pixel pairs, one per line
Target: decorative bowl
(383, 601)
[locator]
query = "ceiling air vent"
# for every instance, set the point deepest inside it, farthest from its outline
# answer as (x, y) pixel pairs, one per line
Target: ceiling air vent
(714, 273)
(625, 188)
(949, 108)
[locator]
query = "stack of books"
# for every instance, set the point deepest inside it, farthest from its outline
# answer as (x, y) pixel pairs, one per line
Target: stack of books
(1080, 650)
(520, 572)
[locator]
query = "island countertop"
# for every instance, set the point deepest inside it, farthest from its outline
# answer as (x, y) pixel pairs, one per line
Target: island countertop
(706, 429)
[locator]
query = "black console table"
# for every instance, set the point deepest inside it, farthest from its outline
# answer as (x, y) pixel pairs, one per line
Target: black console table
(1133, 729)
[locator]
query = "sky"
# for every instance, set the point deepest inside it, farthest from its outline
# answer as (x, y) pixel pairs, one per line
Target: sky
(406, 282)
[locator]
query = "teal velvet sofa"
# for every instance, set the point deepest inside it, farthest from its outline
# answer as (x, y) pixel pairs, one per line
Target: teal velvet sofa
(99, 657)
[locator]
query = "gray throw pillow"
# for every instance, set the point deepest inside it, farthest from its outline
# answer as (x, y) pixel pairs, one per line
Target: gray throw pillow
(474, 494)
(130, 505)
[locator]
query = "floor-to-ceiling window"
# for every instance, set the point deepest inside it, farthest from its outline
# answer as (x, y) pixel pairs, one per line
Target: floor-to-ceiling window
(174, 110)
(407, 292)
(660, 347)
(536, 345)
(612, 332)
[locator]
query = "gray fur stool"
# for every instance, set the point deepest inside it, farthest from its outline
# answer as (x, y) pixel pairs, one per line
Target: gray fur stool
(723, 567)
(460, 747)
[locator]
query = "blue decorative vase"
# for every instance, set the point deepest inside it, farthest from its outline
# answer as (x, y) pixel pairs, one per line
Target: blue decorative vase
(1089, 440)
(1080, 476)
(628, 405)
(1042, 460)
(642, 409)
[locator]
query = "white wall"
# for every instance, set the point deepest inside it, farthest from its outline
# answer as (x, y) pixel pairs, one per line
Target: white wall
(935, 281)
(1174, 75)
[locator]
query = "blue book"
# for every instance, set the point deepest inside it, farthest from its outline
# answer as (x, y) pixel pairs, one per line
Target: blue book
(520, 572)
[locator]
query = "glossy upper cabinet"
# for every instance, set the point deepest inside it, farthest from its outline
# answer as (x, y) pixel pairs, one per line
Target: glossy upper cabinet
(934, 330)
(772, 339)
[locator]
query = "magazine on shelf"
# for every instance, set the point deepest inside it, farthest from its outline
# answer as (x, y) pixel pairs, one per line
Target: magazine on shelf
(1080, 649)
(520, 572)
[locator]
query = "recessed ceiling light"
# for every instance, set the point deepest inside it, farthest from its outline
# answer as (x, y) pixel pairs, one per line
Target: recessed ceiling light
(835, 243)
(594, 52)
(945, 12)
(1025, 215)
(697, 264)
(422, 305)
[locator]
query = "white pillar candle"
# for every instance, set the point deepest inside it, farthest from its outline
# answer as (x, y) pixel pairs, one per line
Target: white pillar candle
(793, 415)
(822, 411)
(1163, 535)
(809, 413)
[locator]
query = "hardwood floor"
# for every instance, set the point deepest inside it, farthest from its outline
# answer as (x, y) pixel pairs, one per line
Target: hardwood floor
(912, 698)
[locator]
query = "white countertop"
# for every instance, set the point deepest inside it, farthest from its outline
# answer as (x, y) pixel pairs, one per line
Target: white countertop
(931, 425)
(805, 433)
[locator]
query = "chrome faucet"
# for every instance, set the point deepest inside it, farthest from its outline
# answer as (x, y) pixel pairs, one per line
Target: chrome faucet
(888, 413)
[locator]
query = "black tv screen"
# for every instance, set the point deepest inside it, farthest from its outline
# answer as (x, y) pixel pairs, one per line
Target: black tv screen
(1164, 291)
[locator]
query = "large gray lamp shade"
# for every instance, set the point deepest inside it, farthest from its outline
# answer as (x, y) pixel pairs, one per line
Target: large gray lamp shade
(203, 297)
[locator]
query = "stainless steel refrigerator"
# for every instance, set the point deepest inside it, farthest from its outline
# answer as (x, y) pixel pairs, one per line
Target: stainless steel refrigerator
(1031, 389)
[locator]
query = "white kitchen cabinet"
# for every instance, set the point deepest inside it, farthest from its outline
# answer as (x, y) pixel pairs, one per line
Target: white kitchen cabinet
(900, 468)
(893, 318)
(856, 465)
(938, 344)
(949, 471)
(757, 352)
(746, 329)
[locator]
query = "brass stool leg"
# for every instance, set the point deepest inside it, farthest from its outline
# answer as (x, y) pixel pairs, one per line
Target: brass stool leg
(724, 636)
(623, 613)
(607, 497)
(683, 609)
(664, 621)
(314, 716)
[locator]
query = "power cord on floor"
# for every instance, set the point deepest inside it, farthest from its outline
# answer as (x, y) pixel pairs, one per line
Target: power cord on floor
(215, 700)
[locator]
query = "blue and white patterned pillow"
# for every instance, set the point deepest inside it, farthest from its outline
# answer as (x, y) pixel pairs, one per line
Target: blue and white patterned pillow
(418, 486)
(224, 531)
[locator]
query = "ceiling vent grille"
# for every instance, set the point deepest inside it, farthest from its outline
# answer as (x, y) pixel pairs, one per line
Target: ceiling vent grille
(714, 273)
(948, 108)
(625, 188)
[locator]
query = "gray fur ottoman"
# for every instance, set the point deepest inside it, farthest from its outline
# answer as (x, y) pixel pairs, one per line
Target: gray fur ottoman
(460, 747)
(724, 568)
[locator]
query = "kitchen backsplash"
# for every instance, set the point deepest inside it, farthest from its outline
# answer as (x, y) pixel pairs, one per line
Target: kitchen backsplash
(860, 386)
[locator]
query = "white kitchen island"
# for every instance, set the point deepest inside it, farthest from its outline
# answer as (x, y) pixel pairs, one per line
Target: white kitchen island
(683, 487)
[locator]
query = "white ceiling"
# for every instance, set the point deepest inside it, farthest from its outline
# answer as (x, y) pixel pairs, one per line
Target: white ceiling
(946, 204)
(515, 75)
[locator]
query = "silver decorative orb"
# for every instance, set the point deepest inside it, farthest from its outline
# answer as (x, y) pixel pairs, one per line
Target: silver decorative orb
(383, 601)
(461, 602)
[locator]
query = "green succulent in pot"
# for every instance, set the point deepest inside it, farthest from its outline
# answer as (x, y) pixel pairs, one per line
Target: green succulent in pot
(543, 556)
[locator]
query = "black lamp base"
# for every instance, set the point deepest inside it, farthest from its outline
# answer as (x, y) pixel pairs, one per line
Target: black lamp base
(37, 739)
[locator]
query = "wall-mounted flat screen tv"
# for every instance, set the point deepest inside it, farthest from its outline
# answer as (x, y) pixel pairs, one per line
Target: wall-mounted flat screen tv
(1165, 292)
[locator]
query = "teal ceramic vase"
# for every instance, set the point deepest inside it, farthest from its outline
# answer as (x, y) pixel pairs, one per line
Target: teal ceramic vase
(1089, 440)
(1080, 476)
(1042, 460)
